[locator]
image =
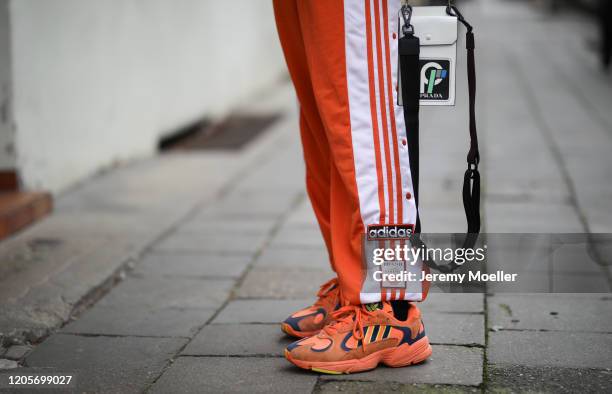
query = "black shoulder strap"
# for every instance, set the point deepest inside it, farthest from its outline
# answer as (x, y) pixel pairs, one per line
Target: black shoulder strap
(471, 179)
(410, 77)
(409, 51)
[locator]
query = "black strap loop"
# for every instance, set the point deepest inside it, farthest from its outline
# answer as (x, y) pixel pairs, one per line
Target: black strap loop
(454, 11)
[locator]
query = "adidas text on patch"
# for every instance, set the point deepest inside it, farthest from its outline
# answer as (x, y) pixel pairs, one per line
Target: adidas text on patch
(390, 231)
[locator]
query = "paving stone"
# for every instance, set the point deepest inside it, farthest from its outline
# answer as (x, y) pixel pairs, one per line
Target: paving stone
(152, 187)
(535, 276)
(205, 224)
(583, 155)
(103, 364)
(17, 352)
(47, 298)
(29, 321)
(234, 375)
(281, 172)
(526, 282)
(575, 259)
(8, 364)
(109, 224)
(259, 311)
(92, 270)
(218, 243)
(32, 254)
(454, 365)
(330, 387)
(540, 253)
(522, 379)
(140, 321)
(545, 263)
(169, 293)
(307, 221)
(550, 348)
(298, 243)
(267, 282)
(455, 328)
(561, 312)
(217, 213)
(299, 230)
(282, 257)
(443, 219)
(524, 217)
(576, 283)
(298, 237)
(452, 302)
(257, 203)
(239, 340)
(303, 216)
(192, 265)
(95, 228)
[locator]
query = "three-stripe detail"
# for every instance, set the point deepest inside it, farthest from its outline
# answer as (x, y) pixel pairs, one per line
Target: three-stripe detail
(390, 190)
(375, 333)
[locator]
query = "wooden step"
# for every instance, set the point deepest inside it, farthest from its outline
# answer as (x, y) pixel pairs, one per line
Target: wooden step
(20, 209)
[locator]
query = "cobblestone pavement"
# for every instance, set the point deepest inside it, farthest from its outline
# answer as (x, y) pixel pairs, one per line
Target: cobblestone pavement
(206, 253)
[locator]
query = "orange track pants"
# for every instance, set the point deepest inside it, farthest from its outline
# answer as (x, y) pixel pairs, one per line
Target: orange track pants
(342, 58)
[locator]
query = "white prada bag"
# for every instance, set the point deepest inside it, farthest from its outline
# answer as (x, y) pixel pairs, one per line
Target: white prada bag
(437, 33)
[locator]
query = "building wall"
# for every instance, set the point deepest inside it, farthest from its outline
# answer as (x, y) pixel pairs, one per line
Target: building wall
(7, 138)
(96, 82)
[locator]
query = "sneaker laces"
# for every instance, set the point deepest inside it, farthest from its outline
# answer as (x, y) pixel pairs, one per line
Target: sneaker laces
(345, 316)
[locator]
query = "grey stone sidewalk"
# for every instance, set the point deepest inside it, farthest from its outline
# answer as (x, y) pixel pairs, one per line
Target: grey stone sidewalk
(172, 274)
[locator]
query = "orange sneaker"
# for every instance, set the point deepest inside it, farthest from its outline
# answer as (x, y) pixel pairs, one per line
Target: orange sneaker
(309, 321)
(359, 338)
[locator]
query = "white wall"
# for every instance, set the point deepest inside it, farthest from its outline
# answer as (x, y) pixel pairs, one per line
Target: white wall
(7, 137)
(96, 81)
